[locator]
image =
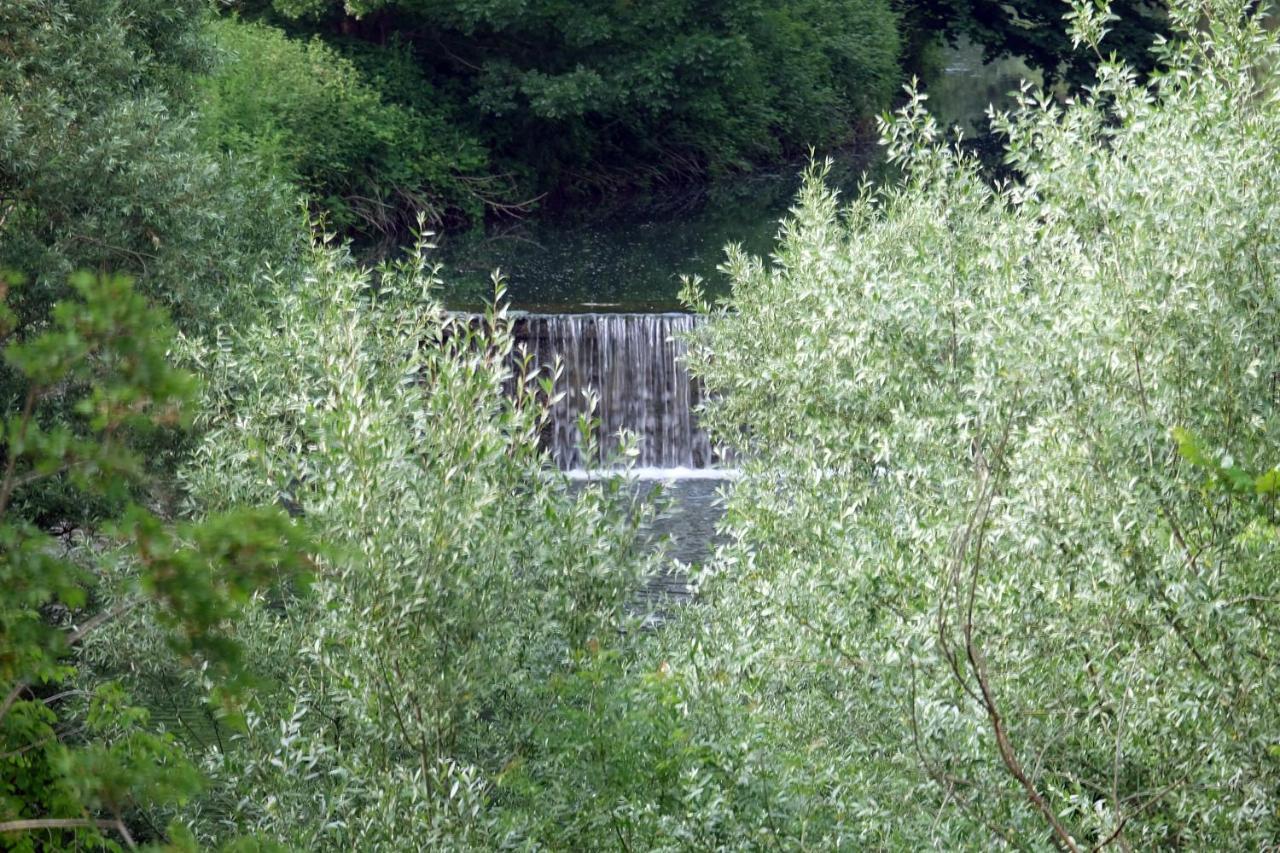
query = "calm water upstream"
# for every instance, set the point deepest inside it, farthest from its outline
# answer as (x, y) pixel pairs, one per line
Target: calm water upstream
(631, 258)
(596, 282)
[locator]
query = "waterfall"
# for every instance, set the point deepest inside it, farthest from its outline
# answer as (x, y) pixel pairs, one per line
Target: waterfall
(632, 364)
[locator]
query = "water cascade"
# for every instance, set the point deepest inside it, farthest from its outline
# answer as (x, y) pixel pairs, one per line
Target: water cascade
(631, 364)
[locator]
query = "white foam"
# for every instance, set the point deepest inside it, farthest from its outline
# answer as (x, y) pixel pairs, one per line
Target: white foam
(663, 474)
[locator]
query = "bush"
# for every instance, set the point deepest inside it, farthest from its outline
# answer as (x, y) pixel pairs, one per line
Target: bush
(98, 168)
(603, 95)
(77, 760)
(369, 161)
(977, 595)
(459, 583)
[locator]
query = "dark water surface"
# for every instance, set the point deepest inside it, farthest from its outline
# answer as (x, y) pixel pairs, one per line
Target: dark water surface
(629, 258)
(580, 272)
(688, 533)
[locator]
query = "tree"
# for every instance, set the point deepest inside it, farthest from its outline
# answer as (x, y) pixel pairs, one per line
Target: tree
(99, 168)
(459, 584)
(1037, 31)
(372, 149)
(585, 98)
(979, 592)
(77, 761)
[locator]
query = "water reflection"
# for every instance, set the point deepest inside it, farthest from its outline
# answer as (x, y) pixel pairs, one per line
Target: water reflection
(629, 258)
(960, 95)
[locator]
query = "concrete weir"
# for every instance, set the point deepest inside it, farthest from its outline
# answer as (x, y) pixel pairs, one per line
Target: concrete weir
(631, 366)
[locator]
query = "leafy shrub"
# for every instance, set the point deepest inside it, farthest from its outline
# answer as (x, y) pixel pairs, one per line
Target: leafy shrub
(77, 761)
(366, 159)
(978, 596)
(459, 579)
(98, 166)
(589, 97)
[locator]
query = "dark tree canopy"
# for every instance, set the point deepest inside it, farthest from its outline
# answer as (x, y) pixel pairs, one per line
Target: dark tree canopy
(1038, 31)
(576, 96)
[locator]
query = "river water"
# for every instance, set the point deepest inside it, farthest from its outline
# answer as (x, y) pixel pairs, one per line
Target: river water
(629, 257)
(600, 287)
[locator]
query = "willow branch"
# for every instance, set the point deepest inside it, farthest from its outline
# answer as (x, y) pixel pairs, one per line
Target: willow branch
(988, 472)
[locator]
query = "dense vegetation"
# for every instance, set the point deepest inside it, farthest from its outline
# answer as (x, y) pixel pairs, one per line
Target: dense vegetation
(1006, 560)
(1001, 567)
(1034, 30)
(385, 108)
(372, 150)
(547, 97)
(99, 168)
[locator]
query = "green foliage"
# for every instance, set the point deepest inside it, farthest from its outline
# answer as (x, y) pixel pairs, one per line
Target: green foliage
(588, 97)
(1222, 470)
(1040, 31)
(973, 594)
(366, 157)
(461, 587)
(99, 169)
(976, 593)
(76, 764)
(97, 163)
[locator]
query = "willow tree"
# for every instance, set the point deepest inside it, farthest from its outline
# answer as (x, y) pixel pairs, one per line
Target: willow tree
(1005, 557)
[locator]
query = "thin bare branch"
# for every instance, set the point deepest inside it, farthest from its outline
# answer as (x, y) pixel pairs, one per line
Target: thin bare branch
(1146, 804)
(62, 823)
(101, 619)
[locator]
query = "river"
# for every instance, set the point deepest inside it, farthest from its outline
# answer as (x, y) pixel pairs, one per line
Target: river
(600, 286)
(629, 257)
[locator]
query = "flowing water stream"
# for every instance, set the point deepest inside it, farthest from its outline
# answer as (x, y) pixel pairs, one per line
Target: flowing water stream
(627, 371)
